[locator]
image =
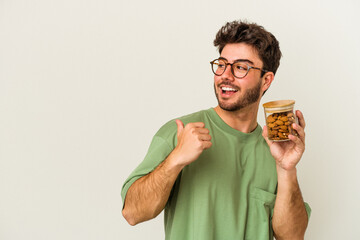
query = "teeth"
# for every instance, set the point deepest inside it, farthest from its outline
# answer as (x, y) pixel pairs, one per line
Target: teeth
(228, 89)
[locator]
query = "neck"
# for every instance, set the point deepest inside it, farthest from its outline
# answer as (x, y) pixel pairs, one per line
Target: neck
(243, 120)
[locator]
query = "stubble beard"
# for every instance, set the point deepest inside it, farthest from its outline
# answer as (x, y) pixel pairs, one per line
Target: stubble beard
(250, 96)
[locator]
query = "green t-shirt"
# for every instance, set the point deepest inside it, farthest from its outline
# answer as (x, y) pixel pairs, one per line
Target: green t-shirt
(228, 193)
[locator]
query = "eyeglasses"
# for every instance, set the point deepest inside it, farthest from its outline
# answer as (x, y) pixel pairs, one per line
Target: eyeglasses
(239, 69)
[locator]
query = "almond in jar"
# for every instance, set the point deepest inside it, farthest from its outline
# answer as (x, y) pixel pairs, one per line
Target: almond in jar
(279, 116)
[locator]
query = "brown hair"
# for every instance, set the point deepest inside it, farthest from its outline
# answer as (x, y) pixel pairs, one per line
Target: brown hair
(256, 36)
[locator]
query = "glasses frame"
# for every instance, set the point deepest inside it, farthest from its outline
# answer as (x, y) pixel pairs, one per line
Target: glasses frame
(232, 69)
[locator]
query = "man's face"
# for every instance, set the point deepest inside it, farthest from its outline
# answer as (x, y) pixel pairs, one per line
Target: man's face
(233, 93)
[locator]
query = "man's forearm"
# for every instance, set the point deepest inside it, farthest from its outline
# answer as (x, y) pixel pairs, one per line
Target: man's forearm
(147, 196)
(290, 218)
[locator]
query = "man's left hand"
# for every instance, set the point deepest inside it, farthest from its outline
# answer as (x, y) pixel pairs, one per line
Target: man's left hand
(288, 154)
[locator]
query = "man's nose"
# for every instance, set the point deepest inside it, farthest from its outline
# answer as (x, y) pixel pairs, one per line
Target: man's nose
(227, 75)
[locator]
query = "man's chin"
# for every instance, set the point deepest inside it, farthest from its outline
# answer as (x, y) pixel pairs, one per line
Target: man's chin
(229, 107)
(236, 106)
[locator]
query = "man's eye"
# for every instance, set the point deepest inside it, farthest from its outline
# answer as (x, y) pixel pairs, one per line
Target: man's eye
(240, 67)
(221, 65)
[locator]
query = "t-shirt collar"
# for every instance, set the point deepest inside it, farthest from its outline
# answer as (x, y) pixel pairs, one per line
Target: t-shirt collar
(254, 135)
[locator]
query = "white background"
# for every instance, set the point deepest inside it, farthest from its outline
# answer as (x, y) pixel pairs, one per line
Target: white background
(84, 85)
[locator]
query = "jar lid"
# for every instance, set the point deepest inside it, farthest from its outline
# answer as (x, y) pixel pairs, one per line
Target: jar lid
(279, 103)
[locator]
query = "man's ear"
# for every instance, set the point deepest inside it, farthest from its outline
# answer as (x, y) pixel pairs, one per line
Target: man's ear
(267, 80)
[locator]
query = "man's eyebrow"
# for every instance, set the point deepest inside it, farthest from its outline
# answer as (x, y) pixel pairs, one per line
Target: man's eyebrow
(244, 60)
(238, 60)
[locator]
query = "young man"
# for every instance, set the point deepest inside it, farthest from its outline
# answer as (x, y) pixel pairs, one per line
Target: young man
(215, 172)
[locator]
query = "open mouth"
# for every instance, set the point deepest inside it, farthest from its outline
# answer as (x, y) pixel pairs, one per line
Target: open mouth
(228, 91)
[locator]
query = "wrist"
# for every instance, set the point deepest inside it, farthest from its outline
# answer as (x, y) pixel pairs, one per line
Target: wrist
(286, 174)
(175, 161)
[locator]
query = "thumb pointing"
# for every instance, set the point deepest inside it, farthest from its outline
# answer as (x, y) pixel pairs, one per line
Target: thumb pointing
(180, 126)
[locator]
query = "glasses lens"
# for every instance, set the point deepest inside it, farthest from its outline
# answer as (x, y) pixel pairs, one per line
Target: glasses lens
(218, 67)
(240, 69)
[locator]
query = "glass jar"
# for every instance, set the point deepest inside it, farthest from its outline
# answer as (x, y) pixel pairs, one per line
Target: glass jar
(279, 117)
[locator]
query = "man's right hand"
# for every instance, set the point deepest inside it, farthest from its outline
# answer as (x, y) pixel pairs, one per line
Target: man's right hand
(148, 195)
(193, 139)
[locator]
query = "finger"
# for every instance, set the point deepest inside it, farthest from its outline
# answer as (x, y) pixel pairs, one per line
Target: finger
(180, 126)
(202, 130)
(206, 144)
(301, 119)
(204, 137)
(265, 135)
(298, 142)
(300, 131)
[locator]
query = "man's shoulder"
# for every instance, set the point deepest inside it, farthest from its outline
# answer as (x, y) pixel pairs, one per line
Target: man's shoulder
(198, 116)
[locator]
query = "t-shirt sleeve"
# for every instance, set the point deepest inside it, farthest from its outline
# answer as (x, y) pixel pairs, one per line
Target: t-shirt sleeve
(307, 207)
(158, 151)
